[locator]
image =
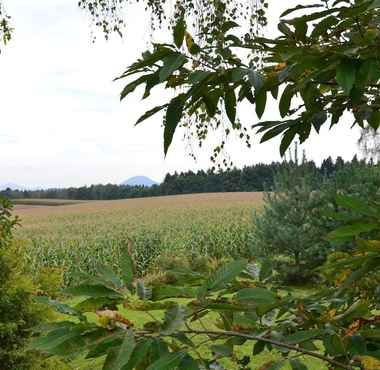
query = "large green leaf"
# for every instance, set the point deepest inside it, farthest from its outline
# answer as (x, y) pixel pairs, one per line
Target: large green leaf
(334, 345)
(222, 350)
(356, 345)
(103, 345)
(152, 81)
(189, 363)
(303, 336)
(230, 104)
(172, 291)
(171, 64)
(261, 101)
(150, 113)
(357, 310)
(369, 72)
(124, 353)
(93, 304)
(173, 117)
(256, 296)
(109, 277)
(283, 28)
(60, 307)
(323, 26)
(148, 60)
(211, 100)
(132, 86)
(61, 341)
(139, 354)
(374, 119)
(287, 140)
(228, 25)
(222, 276)
(348, 231)
(346, 74)
(179, 32)
(168, 362)
(199, 76)
(95, 291)
(301, 30)
(318, 119)
(127, 267)
(238, 74)
(281, 127)
(258, 348)
(297, 364)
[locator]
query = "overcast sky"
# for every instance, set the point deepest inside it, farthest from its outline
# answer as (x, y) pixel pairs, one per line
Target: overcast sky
(61, 120)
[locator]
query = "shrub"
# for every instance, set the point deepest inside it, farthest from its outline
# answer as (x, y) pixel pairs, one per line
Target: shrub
(16, 316)
(18, 312)
(292, 224)
(295, 216)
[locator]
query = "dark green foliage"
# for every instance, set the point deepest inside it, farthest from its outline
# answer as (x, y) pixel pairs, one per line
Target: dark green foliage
(16, 314)
(7, 222)
(17, 317)
(292, 223)
(296, 218)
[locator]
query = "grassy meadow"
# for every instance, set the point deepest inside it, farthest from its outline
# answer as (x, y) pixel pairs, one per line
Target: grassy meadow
(77, 237)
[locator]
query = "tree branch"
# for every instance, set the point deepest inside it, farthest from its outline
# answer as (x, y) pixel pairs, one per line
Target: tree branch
(271, 341)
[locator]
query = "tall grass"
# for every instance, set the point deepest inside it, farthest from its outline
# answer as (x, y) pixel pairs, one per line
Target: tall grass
(78, 238)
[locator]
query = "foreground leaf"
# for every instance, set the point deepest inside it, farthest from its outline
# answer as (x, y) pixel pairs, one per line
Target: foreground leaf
(346, 75)
(230, 104)
(179, 32)
(256, 295)
(173, 117)
(168, 362)
(150, 113)
(222, 276)
(124, 353)
(95, 291)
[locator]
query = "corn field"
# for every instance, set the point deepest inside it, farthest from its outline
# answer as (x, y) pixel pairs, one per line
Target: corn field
(79, 237)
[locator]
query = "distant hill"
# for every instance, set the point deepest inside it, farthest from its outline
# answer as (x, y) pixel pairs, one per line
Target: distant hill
(139, 181)
(12, 186)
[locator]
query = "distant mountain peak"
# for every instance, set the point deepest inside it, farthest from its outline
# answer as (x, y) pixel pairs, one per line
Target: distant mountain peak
(139, 181)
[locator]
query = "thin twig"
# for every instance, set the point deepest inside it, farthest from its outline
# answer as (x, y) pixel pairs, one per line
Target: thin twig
(271, 341)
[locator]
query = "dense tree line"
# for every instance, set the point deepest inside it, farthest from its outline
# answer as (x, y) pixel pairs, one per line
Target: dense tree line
(258, 177)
